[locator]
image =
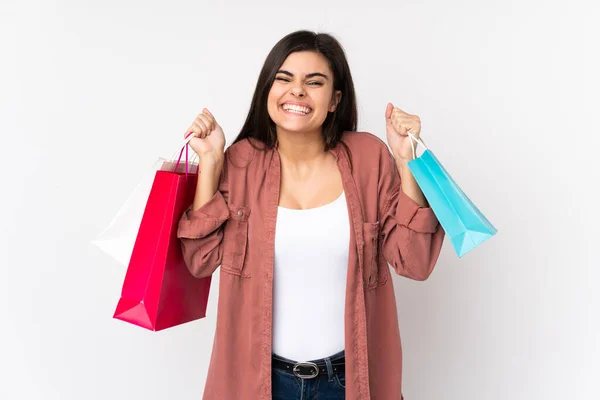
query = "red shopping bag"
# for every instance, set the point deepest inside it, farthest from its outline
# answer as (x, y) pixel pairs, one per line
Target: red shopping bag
(159, 291)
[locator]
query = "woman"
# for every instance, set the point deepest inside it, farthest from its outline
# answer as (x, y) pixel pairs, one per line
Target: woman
(303, 214)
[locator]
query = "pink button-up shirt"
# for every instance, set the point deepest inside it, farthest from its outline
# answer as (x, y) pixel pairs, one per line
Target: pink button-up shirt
(236, 230)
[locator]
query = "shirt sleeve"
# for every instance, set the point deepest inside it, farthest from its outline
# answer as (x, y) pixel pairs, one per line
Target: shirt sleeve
(411, 235)
(201, 231)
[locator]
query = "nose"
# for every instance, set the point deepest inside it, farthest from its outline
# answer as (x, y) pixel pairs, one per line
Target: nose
(298, 91)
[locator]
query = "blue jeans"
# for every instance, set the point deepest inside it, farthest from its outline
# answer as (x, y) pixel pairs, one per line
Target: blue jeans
(287, 386)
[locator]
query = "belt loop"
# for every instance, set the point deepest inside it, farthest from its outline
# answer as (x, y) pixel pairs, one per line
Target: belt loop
(329, 369)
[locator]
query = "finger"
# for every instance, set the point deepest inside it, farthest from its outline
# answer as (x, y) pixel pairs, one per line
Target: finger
(396, 121)
(194, 129)
(202, 129)
(415, 135)
(414, 126)
(210, 117)
(188, 131)
(206, 119)
(399, 125)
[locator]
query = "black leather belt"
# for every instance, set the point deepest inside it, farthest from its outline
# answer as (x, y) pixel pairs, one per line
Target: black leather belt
(308, 370)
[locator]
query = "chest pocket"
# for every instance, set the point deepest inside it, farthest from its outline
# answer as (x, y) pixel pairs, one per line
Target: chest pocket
(235, 241)
(375, 270)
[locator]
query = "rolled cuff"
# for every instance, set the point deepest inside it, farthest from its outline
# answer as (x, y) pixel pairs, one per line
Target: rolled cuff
(200, 223)
(414, 217)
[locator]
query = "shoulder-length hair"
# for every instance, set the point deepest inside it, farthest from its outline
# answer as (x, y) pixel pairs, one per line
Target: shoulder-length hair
(259, 124)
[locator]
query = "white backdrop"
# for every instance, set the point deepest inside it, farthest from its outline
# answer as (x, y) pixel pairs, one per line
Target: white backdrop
(91, 92)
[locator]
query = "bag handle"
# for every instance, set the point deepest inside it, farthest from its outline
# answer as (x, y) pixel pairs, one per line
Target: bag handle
(414, 139)
(185, 146)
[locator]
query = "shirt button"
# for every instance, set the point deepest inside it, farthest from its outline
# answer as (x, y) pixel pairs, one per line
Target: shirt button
(240, 213)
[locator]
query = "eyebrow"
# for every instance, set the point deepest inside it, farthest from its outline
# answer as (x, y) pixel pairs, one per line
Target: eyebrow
(288, 73)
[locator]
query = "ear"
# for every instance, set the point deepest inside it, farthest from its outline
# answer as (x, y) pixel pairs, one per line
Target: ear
(337, 96)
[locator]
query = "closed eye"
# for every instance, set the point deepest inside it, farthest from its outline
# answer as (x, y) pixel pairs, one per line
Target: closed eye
(313, 83)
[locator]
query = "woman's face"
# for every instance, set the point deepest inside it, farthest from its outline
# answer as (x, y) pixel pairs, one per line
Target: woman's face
(302, 93)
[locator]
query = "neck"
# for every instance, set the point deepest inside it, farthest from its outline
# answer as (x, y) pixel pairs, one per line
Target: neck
(298, 148)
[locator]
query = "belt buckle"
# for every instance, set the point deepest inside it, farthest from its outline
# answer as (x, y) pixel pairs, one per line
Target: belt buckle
(305, 364)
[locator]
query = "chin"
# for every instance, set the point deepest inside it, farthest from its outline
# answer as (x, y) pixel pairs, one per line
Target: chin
(298, 126)
(293, 128)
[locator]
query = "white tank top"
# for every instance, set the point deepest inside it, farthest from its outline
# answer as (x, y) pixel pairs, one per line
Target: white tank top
(309, 288)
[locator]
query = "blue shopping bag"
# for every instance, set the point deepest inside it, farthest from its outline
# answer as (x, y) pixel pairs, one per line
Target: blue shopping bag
(462, 221)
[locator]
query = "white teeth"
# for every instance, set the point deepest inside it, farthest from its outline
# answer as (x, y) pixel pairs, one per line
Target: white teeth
(296, 109)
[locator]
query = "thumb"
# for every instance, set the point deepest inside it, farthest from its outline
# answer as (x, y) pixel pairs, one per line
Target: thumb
(212, 116)
(208, 112)
(388, 114)
(388, 110)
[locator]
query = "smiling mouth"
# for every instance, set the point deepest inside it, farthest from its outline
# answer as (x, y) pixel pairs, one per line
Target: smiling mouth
(296, 110)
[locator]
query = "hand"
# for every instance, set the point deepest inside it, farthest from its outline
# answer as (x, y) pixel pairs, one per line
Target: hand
(398, 124)
(208, 141)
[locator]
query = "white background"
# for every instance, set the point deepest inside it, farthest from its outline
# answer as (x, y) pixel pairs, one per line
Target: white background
(91, 92)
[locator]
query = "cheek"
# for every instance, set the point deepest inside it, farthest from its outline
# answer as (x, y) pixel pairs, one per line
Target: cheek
(324, 100)
(272, 101)
(276, 93)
